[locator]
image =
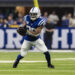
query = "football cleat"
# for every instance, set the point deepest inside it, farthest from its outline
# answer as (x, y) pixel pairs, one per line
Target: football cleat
(51, 66)
(15, 64)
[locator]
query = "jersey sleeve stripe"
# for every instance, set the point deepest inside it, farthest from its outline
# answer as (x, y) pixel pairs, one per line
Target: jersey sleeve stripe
(25, 18)
(41, 22)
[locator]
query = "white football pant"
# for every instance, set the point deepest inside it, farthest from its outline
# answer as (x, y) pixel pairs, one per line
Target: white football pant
(39, 44)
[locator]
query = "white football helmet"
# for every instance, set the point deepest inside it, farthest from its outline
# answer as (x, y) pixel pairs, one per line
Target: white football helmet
(34, 13)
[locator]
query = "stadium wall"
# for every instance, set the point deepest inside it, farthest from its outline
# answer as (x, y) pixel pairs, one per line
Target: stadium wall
(63, 38)
(43, 3)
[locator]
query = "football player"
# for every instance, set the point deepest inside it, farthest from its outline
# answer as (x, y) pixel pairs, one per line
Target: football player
(34, 24)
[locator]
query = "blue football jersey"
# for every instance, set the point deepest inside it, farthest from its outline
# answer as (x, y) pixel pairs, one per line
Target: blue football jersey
(32, 25)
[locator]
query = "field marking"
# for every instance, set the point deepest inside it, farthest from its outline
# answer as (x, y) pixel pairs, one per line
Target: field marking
(37, 70)
(25, 61)
(12, 61)
(35, 50)
(64, 59)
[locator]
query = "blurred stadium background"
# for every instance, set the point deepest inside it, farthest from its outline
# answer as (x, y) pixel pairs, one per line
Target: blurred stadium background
(11, 17)
(63, 39)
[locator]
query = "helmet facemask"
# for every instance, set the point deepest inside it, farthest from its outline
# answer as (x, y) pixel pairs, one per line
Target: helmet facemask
(33, 16)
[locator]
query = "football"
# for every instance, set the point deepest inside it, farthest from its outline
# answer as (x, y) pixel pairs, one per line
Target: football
(22, 31)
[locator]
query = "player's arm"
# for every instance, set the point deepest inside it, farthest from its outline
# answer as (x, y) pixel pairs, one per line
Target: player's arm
(37, 31)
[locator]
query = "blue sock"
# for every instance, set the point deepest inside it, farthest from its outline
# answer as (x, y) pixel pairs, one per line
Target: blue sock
(19, 57)
(47, 56)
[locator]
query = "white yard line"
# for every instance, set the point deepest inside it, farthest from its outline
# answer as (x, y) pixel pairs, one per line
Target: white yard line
(5, 50)
(11, 61)
(23, 61)
(64, 59)
(37, 70)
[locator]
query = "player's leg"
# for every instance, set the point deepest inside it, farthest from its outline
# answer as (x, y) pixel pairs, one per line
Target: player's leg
(41, 46)
(25, 47)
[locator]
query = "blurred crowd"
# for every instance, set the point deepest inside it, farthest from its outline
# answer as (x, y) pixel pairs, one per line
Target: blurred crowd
(7, 22)
(67, 20)
(13, 19)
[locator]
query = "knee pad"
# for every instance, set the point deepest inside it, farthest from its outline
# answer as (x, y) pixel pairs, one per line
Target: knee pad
(23, 52)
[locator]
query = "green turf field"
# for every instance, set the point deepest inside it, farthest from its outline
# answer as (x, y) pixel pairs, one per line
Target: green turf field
(64, 64)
